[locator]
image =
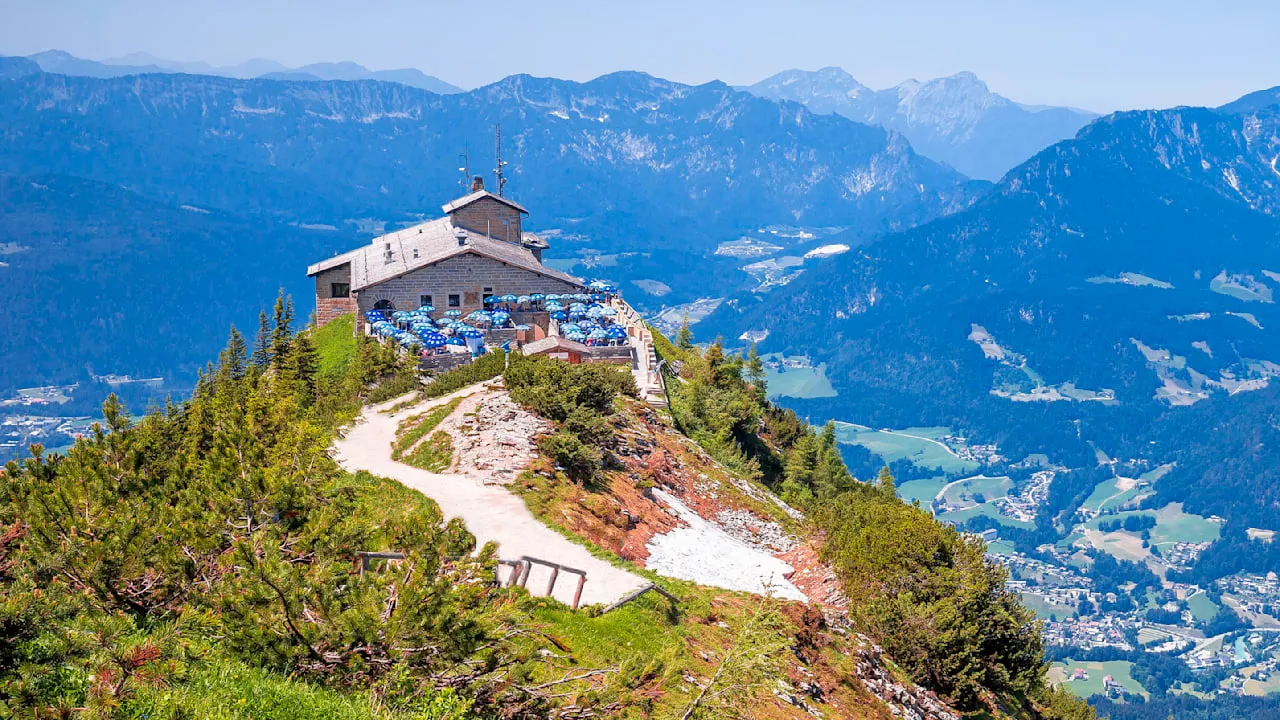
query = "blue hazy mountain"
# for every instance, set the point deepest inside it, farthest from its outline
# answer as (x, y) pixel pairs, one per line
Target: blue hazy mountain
(1116, 293)
(63, 63)
(626, 163)
(956, 120)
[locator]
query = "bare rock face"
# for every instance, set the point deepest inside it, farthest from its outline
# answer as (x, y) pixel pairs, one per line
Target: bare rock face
(905, 700)
(493, 437)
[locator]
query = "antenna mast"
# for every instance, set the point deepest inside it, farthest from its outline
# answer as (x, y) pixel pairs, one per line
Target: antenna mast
(465, 168)
(497, 152)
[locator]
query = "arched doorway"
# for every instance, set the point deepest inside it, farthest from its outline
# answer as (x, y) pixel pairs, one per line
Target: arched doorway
(386, 305)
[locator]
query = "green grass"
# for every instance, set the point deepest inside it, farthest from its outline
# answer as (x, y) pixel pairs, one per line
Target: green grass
(413, 429)
(435, 454)
(810, 382)
(1000, 547)
(221, 689)
(336, 345)
(988, 510)
(1119, 670)
(923, 490)
(1202, 608)
(1172, 525)
(1045, 609)
(892, 446)
(967, 491)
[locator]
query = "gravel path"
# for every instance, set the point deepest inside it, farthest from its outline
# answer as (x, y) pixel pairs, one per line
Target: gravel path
(490, 511)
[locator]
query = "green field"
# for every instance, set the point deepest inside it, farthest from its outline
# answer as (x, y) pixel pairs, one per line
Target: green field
(977, 490)
(808, 382)
(987, 509)
(1119, 670)
(894, 445)
(1172, 525)
(1045, 609)
(1000, 547)
(923, 490)
(1201, 607)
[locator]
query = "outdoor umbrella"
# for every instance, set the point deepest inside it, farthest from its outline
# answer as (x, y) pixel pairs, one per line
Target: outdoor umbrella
(453, 313)
(470, 332)
(617, 332)
(501, 318)
(608, 312)
(522, 327)
(559, 315)
(576, 336)
(508, 298)
(427, 309)
(433, 340)
(523, 299)
(537, 296)
(493, 299)
(598, 334)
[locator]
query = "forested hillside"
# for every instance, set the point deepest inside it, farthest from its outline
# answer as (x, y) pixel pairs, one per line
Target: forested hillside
(197, 561)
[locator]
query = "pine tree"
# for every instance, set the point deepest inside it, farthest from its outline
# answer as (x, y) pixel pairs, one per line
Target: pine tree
(232, 362)
(304, 363)
(262, 343)
(684, 337)
(282, 330)
(755, 369)
(885, 483)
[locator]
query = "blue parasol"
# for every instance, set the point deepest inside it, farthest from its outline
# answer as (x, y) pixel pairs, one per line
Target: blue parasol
(559, 315)
(453, 313)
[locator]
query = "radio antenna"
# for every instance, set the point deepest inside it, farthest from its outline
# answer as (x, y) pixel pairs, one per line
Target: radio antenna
(464, 167)
(499, 162)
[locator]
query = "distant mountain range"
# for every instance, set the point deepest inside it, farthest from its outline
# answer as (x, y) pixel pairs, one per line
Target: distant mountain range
(63, 63)
(956, 119)
(637, 177)
(1115, 294)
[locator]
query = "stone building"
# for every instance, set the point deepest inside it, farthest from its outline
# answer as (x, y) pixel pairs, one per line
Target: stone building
(478, 249)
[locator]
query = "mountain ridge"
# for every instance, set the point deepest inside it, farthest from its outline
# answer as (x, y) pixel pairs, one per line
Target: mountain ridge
(954, 119)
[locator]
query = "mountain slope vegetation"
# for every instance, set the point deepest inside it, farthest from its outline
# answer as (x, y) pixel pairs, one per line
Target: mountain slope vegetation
(1105, 286)
(200, 561)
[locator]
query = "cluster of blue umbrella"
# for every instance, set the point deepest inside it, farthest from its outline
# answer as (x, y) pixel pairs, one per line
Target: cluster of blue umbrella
(412, 328)
(539, 301)
(594, 333)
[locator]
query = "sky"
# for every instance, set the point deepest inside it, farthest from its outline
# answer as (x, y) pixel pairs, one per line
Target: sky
(1100, 55)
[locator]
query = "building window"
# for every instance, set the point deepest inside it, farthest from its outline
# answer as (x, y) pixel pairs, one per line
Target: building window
(425, 300)
(340, 290)
(455, 300)
(488, 293)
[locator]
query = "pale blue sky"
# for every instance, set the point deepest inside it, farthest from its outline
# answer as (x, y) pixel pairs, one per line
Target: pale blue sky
(1094, 54)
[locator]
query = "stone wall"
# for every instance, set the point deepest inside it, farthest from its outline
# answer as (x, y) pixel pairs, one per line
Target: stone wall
(466, 276)
(330, 309)
(490, 217)
(329, 306)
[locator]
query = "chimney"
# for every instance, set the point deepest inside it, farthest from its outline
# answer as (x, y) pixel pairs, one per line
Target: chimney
(461, 235)
(477, 183)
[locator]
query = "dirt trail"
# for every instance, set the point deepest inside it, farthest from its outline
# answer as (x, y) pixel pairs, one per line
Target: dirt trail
(491, 512)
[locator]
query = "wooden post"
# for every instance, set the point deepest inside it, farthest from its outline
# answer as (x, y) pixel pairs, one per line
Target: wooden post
(524, 572)
(577, 595)
(551, 584)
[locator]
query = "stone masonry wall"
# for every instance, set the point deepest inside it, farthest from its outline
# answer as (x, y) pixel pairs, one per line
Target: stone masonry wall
(487, 217)
(328, 306)
(465, 276)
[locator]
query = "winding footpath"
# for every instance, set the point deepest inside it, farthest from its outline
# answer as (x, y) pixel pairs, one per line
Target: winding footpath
(491, 512)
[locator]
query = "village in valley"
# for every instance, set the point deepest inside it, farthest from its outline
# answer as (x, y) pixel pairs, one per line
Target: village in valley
(1095, 627)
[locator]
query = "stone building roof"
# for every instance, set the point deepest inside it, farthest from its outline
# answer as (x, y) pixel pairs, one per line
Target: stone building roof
(416, 247)
(466, 200)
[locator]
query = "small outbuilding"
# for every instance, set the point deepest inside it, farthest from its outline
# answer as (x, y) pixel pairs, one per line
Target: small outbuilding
(559, 348)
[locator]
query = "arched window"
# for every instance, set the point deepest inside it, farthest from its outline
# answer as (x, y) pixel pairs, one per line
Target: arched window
(384, 305)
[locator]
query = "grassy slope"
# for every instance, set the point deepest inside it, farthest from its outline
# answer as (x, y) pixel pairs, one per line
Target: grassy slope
(336, 345)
